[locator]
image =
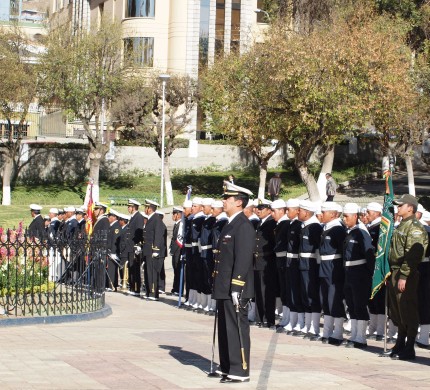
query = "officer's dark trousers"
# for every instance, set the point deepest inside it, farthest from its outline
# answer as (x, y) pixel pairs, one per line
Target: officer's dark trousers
(424, 293)
(112, 274)
(230, 357)
(404, 306)
(135, 280)
(153, 268)
(265, 295)
(176, 265)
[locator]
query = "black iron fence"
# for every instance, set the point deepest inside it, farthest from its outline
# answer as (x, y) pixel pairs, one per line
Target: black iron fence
(44, 276)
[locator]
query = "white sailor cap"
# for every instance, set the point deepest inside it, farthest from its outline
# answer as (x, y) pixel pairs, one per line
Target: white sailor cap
(293, 203)
(278, 204)
(98, 205)
(318, 209)
(197, 201)
(218, 204)
(35, 207)
(363, 210)
(373, 206)
(144, 215)
(207, 201)
(69, 209)
(250, 203)
(53, 210)
(308, 205)
(46, 217)
(339, 208)
(351, 208)
(329, 206)
(159, 212)
(263, 203)
(231, 189)
(133, 202)
(125, 217)
(187, 203)
(421, 209)
(81, 210)
(178, 209)
(149, 202)
(114, 213)
(426, 216)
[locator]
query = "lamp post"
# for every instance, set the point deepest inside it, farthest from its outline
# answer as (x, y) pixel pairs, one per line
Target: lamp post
(262, 11)
(164, 79)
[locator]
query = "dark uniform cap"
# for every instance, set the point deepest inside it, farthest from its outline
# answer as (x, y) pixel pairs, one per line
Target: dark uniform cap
(406, 198)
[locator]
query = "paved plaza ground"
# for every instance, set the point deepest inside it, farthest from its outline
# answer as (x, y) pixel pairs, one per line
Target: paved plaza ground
(153, 345)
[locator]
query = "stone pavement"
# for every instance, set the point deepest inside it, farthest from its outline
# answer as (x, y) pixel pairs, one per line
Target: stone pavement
(153, 345)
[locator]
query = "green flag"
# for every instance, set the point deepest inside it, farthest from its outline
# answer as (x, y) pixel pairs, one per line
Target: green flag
(382, 267)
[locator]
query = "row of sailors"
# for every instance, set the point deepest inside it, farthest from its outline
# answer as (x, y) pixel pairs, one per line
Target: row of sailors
(315, 261)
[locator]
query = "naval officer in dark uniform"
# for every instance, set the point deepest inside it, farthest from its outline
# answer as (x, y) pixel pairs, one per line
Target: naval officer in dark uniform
(36, 228)
(234, 286)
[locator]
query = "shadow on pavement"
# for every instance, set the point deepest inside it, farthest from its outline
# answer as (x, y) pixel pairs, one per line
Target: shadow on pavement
(188, 358)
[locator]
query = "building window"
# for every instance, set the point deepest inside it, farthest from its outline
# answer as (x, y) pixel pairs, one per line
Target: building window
(140, 51)
(140, 9)
(219, 27)
(235, 25)
(19, 131)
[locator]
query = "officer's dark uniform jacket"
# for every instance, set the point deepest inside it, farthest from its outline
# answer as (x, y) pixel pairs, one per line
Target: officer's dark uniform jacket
(154, 237)
(113, 238)
(331, 247)
(135, 226)
(233, 264)
(37, 227)
(264, 245)
(100, 229)
(125, 245)
(358, 252)
(424, 285)
(408, 246)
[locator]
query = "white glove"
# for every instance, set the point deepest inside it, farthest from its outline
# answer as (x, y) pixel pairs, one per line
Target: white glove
(137, 249)
(155, 255)
(235, 298)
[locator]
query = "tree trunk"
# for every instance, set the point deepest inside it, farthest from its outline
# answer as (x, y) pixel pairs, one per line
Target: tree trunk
(309, 181)
(167, 181)
(263, 176)
(327, 167)
(410, 171)
(7, 174)
(95, 159)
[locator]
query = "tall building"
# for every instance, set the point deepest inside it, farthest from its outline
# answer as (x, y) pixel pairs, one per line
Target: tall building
(171, 36)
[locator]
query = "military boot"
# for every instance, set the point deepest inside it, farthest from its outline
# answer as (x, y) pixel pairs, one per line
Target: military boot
(408, 353)
(398, 347)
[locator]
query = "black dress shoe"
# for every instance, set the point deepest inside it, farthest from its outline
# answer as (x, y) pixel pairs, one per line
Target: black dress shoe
(333, 341)
(230, 380)
(308, 335)
(262, 324)
(421, 345)
(297, 333)
(379, 337)
(316, 337)
(280, 330)
(324, 340)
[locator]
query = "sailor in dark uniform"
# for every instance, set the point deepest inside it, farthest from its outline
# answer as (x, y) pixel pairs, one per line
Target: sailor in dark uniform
(233, 286)
(281, 244)
(113, 251)
(359, 262)
(98, 245)
(206, 257)
(297, 315)
(154, 248)
(187, 252)
(424, 291)
(221, 220)
(175, 248)
(196, 227)
(126, 247)
(265, 273)
(53, 226)
(36, 229)
(377, 304)
(249, 212)
(310, 238)
(332, 274)
(135, 226)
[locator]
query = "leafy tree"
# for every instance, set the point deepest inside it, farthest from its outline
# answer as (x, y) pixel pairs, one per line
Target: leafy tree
(17, 91)
(82, 73)
(138, 110)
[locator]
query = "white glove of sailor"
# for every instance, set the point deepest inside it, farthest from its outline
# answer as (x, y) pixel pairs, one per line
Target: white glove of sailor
(235, 298)
(155, 255)
(137, 249)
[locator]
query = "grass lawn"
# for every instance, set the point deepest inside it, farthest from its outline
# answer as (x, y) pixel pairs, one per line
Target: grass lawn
(148, 186)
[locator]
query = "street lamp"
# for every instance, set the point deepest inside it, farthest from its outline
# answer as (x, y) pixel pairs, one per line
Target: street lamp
(164, 79)
(262, 11)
